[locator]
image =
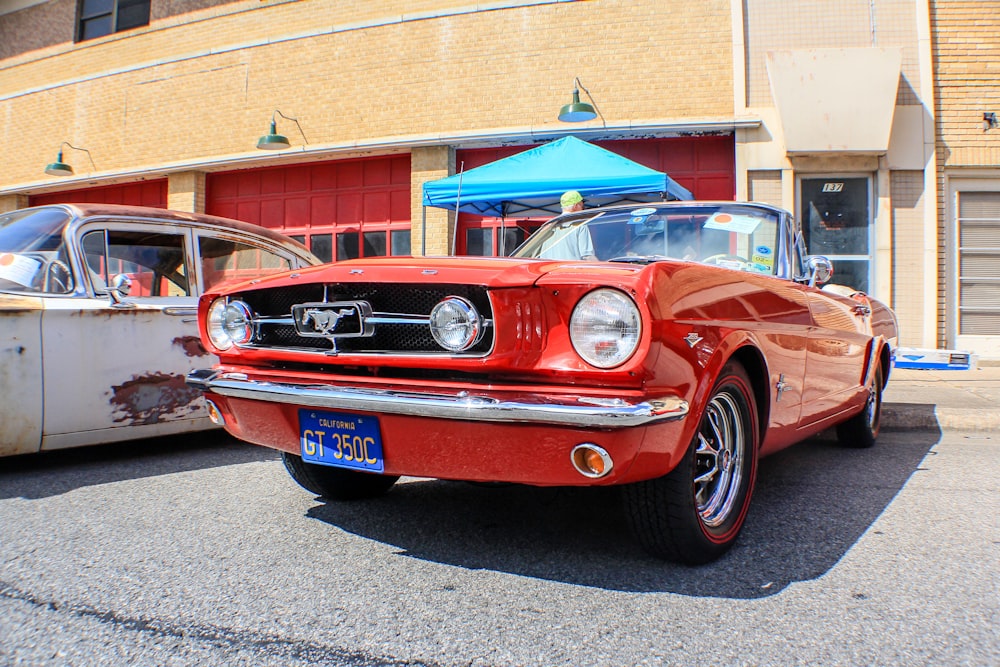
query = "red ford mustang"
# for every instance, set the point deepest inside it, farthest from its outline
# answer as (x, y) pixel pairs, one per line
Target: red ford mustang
(699, 341)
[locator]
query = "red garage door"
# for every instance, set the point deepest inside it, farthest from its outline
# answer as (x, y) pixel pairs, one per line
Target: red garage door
(340, 209)
(145, 193)
(704, 165)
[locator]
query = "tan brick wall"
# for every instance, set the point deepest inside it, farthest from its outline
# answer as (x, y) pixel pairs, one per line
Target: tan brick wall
(966, 50)
(818, 24)
(10, 203)
(377, 74)
(765, 187)
(906, 192)
(428, 164)
(186, 191)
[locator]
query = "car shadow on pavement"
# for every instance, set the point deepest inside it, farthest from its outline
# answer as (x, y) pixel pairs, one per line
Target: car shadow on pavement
(812, 503)
(53, 473)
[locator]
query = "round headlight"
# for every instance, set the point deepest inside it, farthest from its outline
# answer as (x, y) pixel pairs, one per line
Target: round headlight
(229, 323)
(605, 328)
(455, 324)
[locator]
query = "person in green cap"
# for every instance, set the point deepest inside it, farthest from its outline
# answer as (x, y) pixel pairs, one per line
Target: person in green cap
(570, 240)
(571, 201)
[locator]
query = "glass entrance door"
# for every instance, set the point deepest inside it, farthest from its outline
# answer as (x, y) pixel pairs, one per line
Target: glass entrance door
(837, 222)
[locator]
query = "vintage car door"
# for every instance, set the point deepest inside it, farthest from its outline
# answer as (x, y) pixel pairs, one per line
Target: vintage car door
(838, 346)
(129, 359)
(20, 374)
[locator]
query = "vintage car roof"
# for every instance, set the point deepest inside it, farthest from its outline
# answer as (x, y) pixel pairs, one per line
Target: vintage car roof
(88, 210)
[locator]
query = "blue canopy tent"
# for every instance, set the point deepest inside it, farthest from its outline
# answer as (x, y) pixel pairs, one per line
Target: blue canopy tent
(530, 183)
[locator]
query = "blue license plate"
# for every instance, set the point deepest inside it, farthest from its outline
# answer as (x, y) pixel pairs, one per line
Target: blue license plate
(341, 440)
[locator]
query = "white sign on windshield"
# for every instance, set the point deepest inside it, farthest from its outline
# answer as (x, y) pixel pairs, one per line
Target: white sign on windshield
(18, 268)
(732, 222)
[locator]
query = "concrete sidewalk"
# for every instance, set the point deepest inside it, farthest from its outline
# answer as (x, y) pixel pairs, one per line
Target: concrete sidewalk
(948, 400)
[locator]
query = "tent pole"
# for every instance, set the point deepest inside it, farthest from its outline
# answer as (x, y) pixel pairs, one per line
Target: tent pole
(458, 203)
(423, 232)
(502, 245)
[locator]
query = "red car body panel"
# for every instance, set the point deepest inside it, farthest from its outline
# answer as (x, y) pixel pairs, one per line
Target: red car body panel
(785, 331)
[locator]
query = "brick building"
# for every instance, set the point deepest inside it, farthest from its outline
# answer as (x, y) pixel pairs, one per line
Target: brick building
(869, 119)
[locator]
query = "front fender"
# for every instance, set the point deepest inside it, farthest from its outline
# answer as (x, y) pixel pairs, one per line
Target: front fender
(743, 346)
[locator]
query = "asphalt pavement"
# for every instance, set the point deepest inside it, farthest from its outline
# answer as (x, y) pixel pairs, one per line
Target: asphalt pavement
(943, 399)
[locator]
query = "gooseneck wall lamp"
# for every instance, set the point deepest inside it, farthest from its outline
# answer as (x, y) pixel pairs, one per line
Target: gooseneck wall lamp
(272, 141)
(577, 111)
(60, 168)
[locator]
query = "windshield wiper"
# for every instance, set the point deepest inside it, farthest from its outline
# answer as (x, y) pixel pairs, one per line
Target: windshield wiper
(639, 259)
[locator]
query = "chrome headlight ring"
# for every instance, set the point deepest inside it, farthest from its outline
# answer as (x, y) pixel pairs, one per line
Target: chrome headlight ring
(229, 323)
(605, 328)
(455, 324)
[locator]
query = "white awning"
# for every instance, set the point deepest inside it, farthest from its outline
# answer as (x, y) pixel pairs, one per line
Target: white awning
(835, 100)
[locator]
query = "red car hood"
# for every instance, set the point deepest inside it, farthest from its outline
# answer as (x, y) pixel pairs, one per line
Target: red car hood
(494, 272)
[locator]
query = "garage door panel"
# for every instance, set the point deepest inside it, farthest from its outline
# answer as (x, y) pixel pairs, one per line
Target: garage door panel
(349, 207)
(319, 202)
(377, 173)
(349, 176)
(296, 179)
(271, 213)
(401, 172)
(376, 207)
(399, 206)
(324, 177)
(323, 209)
(248, 211)
(145, 193)
(297, 212)
(249, 184)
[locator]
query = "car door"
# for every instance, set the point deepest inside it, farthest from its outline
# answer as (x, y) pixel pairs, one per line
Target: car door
(20, 373)
(838, 349)
(115, 371)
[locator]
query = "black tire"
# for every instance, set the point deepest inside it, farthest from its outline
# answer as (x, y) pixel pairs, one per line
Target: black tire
(694, 513)
(861, 430)
(336, 483)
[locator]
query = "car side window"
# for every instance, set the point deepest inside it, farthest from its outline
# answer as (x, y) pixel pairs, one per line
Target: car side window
(154, 261)
(223, 259)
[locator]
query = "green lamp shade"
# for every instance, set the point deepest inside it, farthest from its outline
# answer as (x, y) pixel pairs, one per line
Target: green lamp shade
(58, 168)
(272, 141)
(577, 111)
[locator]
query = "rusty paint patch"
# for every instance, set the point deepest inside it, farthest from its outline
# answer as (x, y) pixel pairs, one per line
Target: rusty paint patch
(191, 345)
(13, 304)
(151, 398)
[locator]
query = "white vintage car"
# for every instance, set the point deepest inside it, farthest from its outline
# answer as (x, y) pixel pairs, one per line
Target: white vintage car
(97, 318)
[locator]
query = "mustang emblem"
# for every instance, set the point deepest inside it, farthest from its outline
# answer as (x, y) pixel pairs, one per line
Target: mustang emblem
(692, 339)
(324, 321)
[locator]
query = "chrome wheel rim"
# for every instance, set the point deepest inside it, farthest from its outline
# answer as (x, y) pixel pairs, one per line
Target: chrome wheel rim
(872, 407)
(719, 459)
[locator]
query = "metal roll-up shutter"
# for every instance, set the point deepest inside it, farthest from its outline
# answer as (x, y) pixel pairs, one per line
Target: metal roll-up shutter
(979, 263)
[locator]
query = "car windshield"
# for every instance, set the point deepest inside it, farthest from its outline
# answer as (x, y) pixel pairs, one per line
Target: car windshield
(33, 256)
(736, 236)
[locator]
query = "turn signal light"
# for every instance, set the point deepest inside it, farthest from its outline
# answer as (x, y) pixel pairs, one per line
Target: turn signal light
(214, 414)
(591, 460)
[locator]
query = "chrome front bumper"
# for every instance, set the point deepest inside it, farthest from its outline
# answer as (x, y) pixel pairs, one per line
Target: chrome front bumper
(534, 408)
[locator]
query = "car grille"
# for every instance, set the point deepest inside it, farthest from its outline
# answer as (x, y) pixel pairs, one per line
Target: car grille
(272, 310)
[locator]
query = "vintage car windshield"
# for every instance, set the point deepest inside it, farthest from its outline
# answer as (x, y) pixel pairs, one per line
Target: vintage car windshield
(736, 236)
(30, 241)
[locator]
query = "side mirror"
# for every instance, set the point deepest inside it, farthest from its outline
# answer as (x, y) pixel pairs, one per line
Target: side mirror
(820, 269)
(121, 285)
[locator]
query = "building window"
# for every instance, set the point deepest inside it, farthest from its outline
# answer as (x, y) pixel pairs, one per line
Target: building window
(837, 223)
(103, 17)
